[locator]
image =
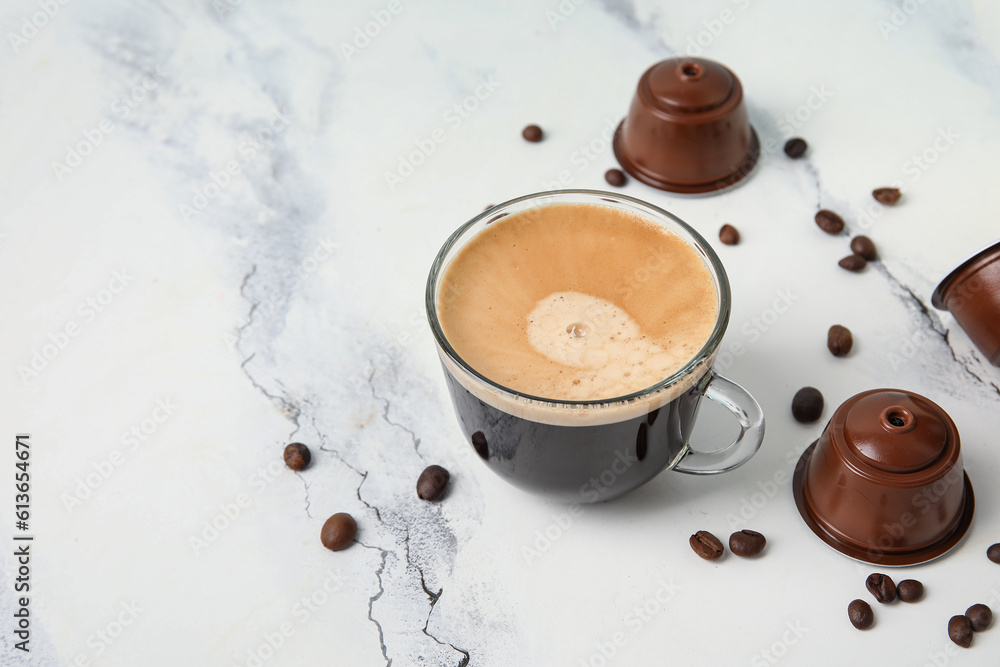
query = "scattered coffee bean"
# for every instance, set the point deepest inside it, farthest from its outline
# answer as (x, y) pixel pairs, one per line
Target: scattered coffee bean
(297, 456)
(796, 147)
(864, 246)
(829, 222)
(432, 482)
(339, 531)
(993, 553)
(860, 613)
(532, 133)
(887, 195)
(706, 545)
(853, 263)
(980, 616)
(615, 177)
(881, 587)
(910, 590)
(960, 631)
(729, 235)
(839, 340)
(746, 543)
(807, 405)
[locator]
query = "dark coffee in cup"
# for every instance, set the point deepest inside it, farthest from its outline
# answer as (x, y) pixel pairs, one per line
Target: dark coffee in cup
(577, 331)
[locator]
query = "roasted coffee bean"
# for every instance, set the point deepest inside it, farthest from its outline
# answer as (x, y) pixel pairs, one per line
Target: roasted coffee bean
(795, 147)
(339, 531)
(853, 263)
(615, 177)
(881, 587)
(432, 482)
(887, 195)
(839, 340)
(297, 456)
(980, 616)
(829, 222)
(706, 545)
(909, 590)
(532, 133)
(746, 543)
(960, 631)
(807, 405)
(861, 615)
(993, 553)
(729, 235)
(864, 246)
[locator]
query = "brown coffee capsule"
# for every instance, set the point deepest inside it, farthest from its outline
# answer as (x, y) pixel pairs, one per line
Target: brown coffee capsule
(687, 129)
(895, 446)
(972, 294)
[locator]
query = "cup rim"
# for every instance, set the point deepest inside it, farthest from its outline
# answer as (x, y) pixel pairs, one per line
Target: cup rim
(574, 195)
(938, 296)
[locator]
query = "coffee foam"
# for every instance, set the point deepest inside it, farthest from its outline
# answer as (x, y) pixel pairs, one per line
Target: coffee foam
(576, 302)
(607, 351)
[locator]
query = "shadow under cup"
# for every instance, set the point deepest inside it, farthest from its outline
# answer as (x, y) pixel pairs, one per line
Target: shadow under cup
(590, 451)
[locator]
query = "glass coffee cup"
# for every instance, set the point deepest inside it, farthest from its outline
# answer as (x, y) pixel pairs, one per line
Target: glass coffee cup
(578, 447)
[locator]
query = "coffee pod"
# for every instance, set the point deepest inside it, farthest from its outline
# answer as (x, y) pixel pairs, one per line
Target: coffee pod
(972, 294)
(885, 483)
(687, 129)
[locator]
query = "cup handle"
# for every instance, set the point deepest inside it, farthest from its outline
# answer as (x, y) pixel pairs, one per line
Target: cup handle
(747, 411)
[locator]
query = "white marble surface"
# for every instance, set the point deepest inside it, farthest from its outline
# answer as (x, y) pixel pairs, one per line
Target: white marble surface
(288, 305)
